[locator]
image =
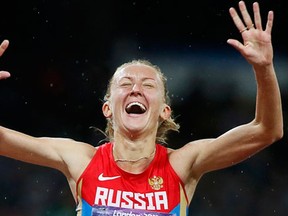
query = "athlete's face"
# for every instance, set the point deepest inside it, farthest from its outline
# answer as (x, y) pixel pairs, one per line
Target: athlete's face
(136, 104)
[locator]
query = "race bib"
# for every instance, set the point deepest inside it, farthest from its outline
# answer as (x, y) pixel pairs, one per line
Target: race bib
(115, 211)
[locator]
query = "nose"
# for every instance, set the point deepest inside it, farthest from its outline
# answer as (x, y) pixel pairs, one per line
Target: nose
(136, 89)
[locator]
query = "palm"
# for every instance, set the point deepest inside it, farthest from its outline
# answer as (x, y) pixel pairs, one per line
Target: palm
(257, 47)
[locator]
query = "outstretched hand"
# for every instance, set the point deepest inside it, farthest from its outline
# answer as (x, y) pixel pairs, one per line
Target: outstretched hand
(3, 47)
(256, 47)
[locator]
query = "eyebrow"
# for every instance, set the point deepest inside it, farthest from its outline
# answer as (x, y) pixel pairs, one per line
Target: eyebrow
(143, 79)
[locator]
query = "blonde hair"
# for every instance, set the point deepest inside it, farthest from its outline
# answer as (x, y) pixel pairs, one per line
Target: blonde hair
(164, 126)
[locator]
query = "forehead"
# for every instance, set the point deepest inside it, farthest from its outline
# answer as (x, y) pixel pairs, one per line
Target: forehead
(137, 71)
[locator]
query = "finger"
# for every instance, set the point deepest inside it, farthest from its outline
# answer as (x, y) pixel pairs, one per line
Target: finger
(236, 19)
(269, 24)
(245, 15)
(4, 45)
(257, 16)
(4, 74)
(236, 44)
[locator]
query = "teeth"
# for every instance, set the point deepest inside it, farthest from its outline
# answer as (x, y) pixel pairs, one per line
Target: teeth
(135, 108)
(137, 104)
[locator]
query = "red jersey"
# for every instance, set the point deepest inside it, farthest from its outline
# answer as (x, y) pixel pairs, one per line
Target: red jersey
(105, 189)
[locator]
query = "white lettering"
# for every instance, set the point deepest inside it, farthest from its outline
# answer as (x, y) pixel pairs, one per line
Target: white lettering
(126, 196)
(125, 199)
(117, 199)
(101, 196)
(161, 199)
(118, 213)
(140, 202)
(151, 205)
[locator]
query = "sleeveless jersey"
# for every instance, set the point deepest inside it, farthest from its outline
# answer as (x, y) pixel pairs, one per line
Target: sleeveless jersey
(105, 189)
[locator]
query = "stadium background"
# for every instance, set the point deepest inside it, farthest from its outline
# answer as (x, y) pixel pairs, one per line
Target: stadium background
(62, 54)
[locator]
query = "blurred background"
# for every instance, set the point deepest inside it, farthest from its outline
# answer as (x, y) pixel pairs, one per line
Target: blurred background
(62, 54)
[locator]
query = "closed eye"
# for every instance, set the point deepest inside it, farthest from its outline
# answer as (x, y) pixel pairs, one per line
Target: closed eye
(125, 84)
(149, 85)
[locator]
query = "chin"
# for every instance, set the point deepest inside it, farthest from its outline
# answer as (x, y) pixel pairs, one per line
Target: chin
(135, 128)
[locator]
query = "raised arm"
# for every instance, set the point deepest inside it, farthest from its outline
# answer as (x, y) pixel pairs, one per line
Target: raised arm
(267, 126)
(257, 50)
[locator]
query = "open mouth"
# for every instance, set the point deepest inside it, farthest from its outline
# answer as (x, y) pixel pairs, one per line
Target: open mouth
(135, 108)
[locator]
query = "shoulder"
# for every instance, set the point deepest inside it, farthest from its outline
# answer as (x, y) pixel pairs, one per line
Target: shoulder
(76, 156)
(183, 159)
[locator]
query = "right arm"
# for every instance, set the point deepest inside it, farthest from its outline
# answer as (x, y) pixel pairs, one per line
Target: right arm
(66, 155)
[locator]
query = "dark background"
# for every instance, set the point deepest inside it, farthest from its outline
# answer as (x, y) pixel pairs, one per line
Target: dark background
(62, 54)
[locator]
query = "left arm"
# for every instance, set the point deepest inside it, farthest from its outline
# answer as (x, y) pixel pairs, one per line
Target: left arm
(267, 127)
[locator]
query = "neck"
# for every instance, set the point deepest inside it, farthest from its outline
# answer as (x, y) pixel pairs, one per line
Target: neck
(132, 146)
(124, 160)
(133, 155)
(135, 165)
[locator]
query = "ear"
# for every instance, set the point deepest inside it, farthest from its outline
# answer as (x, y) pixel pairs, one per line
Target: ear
(166, 112)
(107, 112)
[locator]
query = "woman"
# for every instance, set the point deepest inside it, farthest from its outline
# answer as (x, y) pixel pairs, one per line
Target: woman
(133, 173)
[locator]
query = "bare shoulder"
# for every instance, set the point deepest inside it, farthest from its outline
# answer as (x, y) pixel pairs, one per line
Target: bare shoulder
(67, 146)
(184, 158)
(75, 155)
(189, 149)
(83, 151)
